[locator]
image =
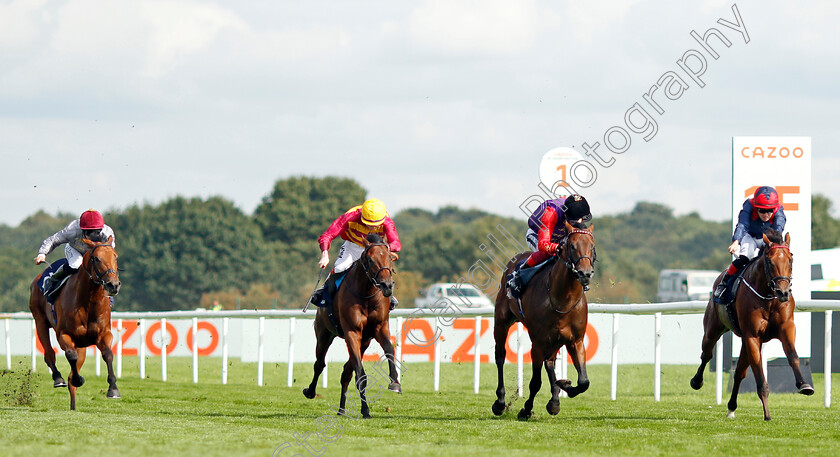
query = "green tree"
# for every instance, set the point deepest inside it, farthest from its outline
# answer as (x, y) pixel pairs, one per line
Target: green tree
(825, 230)
(301, 208)
(176, 252)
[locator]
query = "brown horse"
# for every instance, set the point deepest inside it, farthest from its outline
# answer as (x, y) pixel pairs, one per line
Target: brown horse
(362, 307)
(763, 310)
(554, 310)
(82, 316)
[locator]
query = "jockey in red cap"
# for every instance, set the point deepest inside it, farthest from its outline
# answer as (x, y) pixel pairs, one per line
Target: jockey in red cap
(759, 213)
(89, 225)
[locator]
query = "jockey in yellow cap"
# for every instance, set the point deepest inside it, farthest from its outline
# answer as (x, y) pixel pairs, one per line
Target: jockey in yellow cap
(353, 226)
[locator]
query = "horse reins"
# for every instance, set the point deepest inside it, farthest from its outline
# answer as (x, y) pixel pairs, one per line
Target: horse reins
(773, 282)
(100, 277)
(373, 278)
(572, 266)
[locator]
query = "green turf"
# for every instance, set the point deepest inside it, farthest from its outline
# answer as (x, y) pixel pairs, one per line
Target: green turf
(181, 418)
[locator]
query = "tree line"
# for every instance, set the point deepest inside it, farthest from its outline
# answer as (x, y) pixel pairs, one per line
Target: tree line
(191, 252)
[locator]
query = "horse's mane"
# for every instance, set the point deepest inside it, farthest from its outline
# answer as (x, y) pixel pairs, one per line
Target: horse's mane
(774, 236)
(374, 238)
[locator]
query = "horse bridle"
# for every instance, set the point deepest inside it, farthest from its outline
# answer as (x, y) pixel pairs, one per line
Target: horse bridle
(373, 278)
(773, 283)
(100, 277)
(572, 264)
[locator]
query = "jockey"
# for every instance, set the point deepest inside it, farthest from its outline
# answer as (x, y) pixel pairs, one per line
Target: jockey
(353, 226)
(759, 213)
(547, 229)
(91, 226)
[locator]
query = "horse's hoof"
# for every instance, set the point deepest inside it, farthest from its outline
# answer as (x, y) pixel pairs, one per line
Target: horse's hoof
(806, 389)
(499, 407)
(564, 384)
(730, 415)
(553, 407)
(340, 412)
(524, 415)
(365, 414)
(77, 381)
(113, 393)
(60, 382)
(696, 383)
(308, 394)
(395, 387)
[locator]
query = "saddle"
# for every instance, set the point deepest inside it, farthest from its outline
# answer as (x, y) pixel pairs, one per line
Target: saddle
(725, 302)
(518, 281)
(51, 291)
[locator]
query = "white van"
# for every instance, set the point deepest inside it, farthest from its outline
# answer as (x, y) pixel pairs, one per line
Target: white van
(461, 295)
(825, 274)
(685, 285)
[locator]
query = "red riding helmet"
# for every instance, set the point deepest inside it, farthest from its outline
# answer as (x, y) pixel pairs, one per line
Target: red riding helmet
(766, 198)
(91, 220)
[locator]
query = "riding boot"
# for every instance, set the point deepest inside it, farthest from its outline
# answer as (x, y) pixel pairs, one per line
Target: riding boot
(52, 281)
(721, 287)
(514, 283)
(394, 302)
(325, 292)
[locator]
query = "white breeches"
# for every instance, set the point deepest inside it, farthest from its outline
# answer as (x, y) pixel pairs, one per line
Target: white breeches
(750, 246)
(349, 253)
(74, 257)
(531, 239)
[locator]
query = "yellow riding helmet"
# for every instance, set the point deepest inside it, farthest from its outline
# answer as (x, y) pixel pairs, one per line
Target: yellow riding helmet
(373, 212)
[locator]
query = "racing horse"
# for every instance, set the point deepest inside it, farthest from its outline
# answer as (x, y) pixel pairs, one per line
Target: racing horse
(554, 310)
(763, 310)
(362, 307)
(81, 316)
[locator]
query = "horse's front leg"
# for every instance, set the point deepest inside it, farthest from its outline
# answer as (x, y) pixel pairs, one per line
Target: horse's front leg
(354, 347)
(753, 345)
(76, 358)
(740, 373)
(578, 354)
(500, 333)
(787, 335)
(104, 346)
(537, 359)
(324, 339)
(712, 331)
(553, 406)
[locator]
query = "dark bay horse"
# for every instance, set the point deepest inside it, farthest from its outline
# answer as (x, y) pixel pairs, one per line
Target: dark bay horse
(763, 311)
(555, 312)
(362, 307)
(82, 316)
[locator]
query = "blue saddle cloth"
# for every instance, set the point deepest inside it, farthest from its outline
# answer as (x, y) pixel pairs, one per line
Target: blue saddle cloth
(526, 274)
(326, 302)
(50, 294)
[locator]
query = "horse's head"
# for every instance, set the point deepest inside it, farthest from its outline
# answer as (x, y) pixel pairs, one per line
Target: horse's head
(579, 252)
(778, 263)
(377, 262)
(100, 263)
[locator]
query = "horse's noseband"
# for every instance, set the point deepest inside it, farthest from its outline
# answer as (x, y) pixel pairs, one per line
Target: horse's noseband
(572, 264)
(100, 277)
(374, 278)
(774, 280)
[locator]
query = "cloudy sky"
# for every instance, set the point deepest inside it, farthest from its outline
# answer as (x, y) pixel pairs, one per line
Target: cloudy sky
(426, 103)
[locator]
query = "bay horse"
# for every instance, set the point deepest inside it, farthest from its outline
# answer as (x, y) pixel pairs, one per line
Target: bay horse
(554, 309)
(81, 316)
(361, 306)
(763, 310)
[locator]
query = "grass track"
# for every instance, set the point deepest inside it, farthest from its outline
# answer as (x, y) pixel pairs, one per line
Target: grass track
(180, 418)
